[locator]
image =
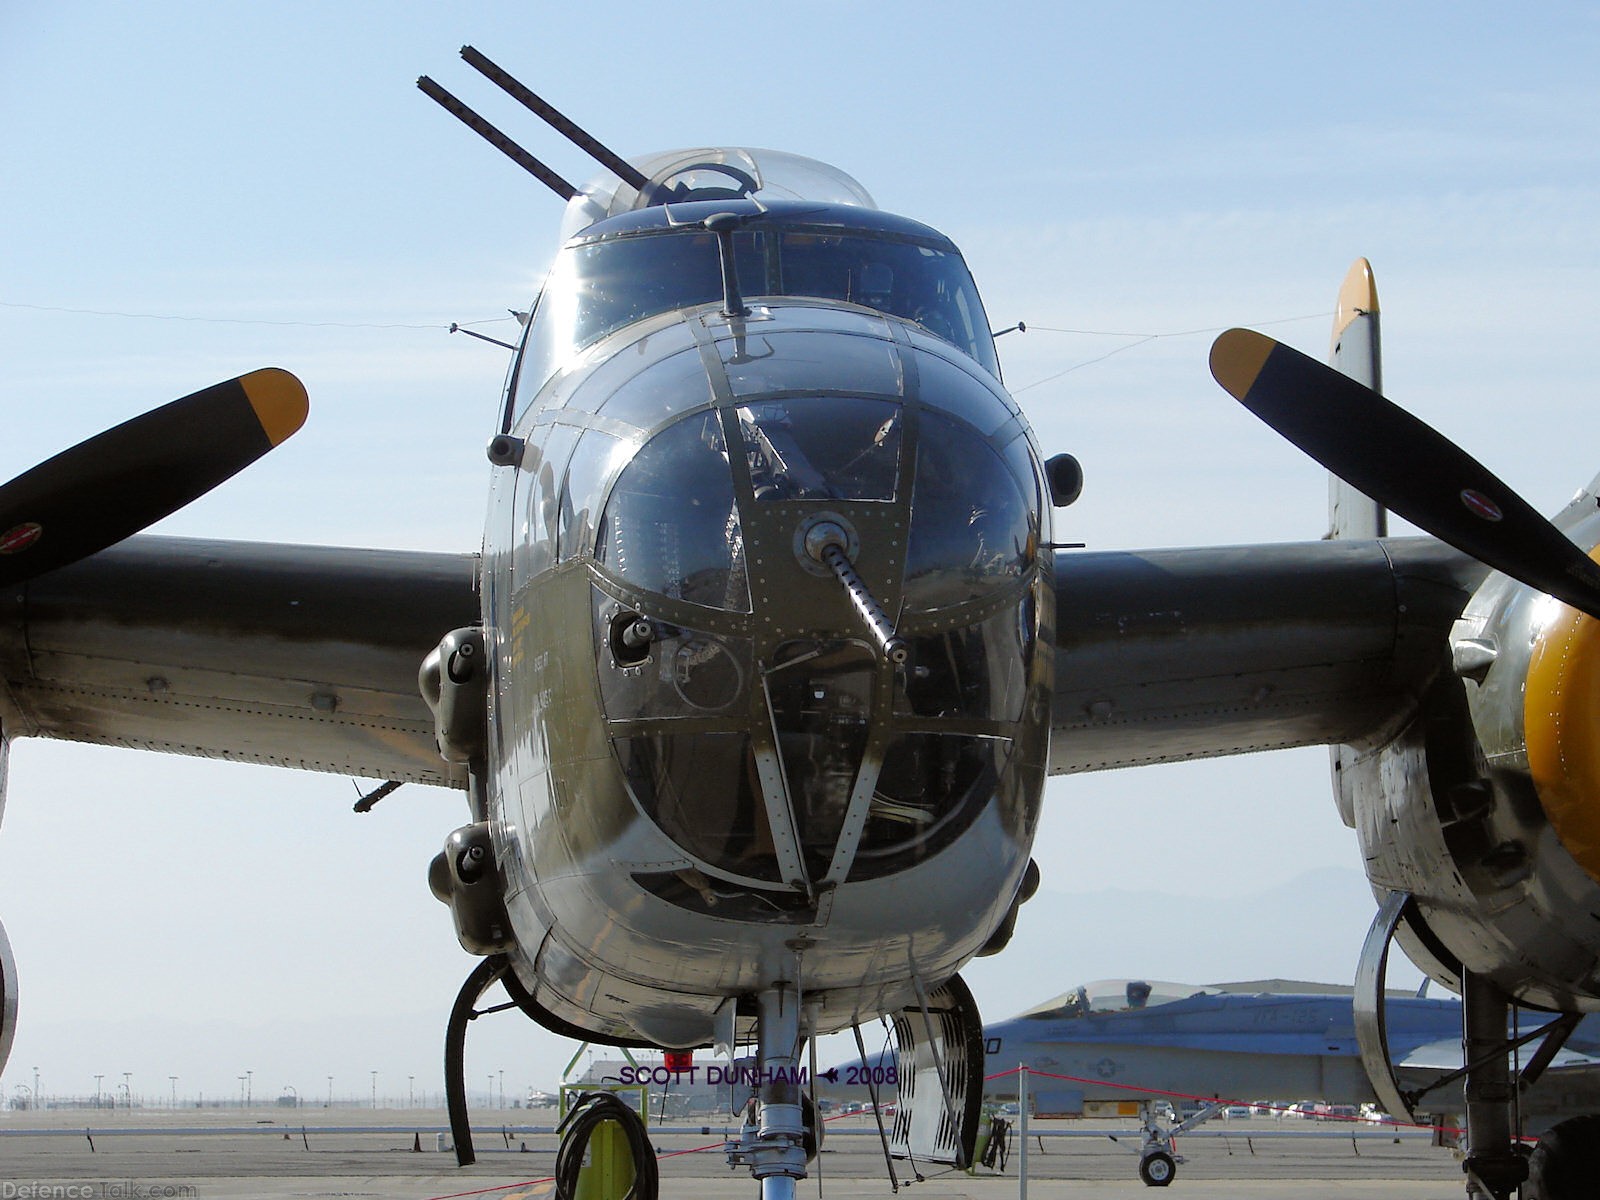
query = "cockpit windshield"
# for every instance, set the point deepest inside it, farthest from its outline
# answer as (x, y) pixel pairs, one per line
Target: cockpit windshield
(611, 278)
(1112, 996)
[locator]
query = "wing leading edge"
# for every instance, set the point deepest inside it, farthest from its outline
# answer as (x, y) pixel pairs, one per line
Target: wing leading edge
(297, 656)
(1168, 655)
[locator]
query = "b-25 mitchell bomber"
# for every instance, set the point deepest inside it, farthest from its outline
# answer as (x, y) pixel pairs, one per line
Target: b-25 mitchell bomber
(770, 645)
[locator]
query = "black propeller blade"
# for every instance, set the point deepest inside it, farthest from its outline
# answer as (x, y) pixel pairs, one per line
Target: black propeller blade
(116, 483)
(1403, 464)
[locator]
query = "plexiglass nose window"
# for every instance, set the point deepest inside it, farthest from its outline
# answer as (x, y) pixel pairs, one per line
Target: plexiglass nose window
(822, 448)
(671, 525)
(971, 525)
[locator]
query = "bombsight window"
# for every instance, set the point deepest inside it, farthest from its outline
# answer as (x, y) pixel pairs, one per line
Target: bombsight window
(821, 698)
(671, 525)
(699, 788)
(932, 787)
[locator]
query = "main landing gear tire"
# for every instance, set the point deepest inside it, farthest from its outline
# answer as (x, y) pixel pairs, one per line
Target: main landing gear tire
(1157, 1169)
(1566, 1162)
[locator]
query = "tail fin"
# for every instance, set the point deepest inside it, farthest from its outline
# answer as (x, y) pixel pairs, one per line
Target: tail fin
(1355, 350)
(1352, 514)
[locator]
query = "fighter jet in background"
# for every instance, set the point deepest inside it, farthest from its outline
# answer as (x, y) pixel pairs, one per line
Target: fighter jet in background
(1120, 1046)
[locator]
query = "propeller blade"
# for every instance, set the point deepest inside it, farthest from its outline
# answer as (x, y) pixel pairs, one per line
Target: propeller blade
(1403, 464)
(118, 482)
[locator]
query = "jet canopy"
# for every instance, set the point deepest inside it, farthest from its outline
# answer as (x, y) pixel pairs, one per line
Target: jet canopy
(1113, 996)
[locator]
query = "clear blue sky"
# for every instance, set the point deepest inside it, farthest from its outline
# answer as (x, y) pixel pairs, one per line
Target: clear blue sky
(266, 185)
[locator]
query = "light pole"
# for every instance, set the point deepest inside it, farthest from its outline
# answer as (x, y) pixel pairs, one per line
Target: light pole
(240, 1078)
(249, 1087)
(374, 1089)
(502, 1089)
(97, 1080)
(36, 1087)
(174, 1080)
(127, 1084)
(330, 1091)
(411, 1091)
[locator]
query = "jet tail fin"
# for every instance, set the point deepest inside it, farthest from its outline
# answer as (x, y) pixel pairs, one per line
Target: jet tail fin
(1356, 352)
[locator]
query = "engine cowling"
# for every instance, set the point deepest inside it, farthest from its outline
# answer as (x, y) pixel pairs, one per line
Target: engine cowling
(1487, 807)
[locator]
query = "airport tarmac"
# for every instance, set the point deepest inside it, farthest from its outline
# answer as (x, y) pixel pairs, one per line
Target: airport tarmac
(272, 1154)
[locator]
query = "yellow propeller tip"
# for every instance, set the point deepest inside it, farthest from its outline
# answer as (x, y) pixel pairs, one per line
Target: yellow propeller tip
(1236, 359)
(279, 401)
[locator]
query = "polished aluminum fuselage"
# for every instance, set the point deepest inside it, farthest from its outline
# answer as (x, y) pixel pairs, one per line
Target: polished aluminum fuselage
(622, 930)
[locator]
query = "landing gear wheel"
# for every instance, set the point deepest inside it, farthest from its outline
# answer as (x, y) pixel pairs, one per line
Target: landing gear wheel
(1565, 1161)
(1157, 1169)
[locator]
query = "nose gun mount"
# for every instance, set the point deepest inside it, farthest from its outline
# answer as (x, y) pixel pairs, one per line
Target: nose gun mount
(828, 542)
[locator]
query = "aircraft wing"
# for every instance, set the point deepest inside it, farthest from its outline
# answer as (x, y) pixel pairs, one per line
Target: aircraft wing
(307, 656)
(1445, 1056)
(300, 656)
(1167, 655)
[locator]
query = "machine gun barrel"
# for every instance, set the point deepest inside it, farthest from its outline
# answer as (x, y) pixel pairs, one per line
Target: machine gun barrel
(497, 139)
(567, 128)
(894, 647)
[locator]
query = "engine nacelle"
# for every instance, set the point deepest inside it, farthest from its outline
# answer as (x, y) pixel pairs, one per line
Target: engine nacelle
(1486, 809)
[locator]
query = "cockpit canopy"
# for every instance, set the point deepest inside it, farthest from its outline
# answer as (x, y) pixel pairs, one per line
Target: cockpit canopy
(712, 173)
(654, 260)
(1113, 996)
